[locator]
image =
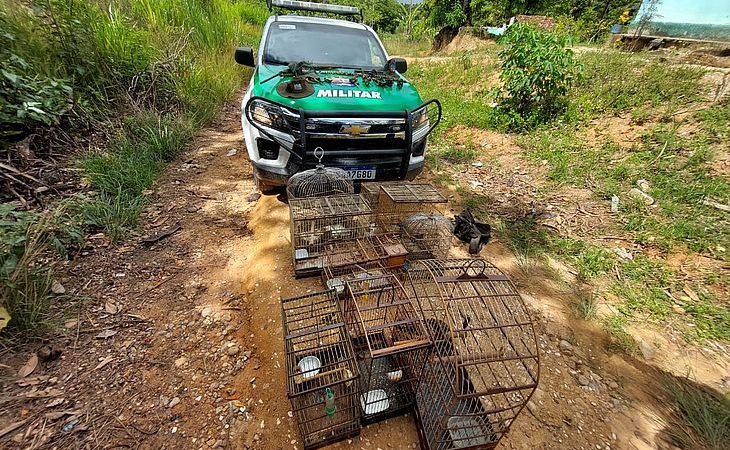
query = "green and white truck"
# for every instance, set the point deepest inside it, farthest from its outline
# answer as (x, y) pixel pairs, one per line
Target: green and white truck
(329, 83)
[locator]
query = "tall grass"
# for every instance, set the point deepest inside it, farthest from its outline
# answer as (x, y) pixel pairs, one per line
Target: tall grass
(165, 66)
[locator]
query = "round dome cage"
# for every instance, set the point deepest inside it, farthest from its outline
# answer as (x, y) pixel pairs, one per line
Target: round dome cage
(320, 181)
(426, 236)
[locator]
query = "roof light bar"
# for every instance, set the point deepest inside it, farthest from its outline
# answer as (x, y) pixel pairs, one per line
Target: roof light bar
(295, 5)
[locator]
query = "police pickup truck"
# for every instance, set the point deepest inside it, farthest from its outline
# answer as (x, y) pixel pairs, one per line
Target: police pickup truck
(323, 83)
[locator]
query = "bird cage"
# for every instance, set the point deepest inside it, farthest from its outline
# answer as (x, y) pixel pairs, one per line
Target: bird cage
(385, 249)
(322, 374)
(319, 181)
(320, 222)
(390, 342)
(335, 277)
(426, 236)
(484, 366)
(398, 201)
(371, 191)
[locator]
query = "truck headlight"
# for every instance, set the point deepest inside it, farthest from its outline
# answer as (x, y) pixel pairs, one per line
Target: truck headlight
(272, 116)
(420, 123)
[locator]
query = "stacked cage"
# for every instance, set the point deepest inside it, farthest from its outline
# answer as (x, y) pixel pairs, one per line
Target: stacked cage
(386, 249)
(336, 277)
(390, 342)
(321, 224)
(414, 211)
(484, 366)
(371, 191)
(322, 375)
(397, 202)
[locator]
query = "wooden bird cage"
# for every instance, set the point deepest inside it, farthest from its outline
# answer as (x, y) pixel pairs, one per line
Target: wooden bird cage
(371, 191)
(336, 277)
(399, 201)
(322, 374)
(319, 223)
(390, 342)
(386, 250)
(485, 364)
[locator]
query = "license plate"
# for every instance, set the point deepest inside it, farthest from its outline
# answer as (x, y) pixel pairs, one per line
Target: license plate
(361, 173)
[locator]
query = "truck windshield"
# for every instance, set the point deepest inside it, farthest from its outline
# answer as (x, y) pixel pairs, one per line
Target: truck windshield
(327, 45)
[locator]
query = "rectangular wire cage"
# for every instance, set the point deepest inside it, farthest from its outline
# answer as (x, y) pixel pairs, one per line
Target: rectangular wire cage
(386, 249)
(322, 374)
(336, 277)
(399, 201)
(390, 342)
(318, 223)
(371, 191)
(485, 364)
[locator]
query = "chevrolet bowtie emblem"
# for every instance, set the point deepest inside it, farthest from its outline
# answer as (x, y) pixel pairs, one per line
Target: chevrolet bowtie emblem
(354, 129)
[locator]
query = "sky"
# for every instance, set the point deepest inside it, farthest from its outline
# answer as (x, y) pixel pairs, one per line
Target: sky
(715, 12)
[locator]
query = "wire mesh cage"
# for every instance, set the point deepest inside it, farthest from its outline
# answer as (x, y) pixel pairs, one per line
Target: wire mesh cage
(371, 191)
(322, 374)
(427, 236)
(318, 223)
(390, 342)
(398, 201)
(336, 276)
(319, 181)
(385, 249)
(485, 364)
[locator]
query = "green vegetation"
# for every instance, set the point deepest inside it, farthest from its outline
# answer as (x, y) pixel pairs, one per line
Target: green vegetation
(165, 66)
(703, 416)
(537, 71)
(615, 325)
(585, 20)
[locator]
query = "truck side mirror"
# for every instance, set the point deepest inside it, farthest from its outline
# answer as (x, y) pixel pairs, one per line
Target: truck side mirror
(244, 56)
(399, 64)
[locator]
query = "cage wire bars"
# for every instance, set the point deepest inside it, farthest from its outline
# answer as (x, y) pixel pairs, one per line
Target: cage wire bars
(322, 375)
(390, 343)
(320, 181)
(485, 364)
(318, 223)
(399, 201)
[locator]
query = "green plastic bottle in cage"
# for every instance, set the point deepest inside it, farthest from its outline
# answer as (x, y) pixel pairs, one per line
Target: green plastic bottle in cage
(329, 402)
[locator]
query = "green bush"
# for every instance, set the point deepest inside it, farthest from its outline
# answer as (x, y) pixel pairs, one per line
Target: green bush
(537, 71)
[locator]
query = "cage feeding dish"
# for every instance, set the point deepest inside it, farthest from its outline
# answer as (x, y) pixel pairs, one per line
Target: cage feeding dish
(322, 374)
(484, 365)
(374, 402)
(309, 366)
(320, 181)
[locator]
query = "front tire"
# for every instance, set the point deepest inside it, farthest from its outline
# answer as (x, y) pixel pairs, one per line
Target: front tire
(265, 188)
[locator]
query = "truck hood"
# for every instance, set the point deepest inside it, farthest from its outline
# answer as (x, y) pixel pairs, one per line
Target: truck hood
(339, 94)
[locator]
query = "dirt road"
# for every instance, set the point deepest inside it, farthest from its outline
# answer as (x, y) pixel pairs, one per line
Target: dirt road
(179, 343)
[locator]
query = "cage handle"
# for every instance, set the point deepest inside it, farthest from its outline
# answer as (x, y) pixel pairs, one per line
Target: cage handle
(319, 154)
(476, 268)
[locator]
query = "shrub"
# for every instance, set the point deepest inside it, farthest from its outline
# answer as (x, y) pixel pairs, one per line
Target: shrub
(537, 71)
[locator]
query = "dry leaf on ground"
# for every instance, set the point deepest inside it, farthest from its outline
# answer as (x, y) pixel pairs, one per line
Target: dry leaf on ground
(29, 366)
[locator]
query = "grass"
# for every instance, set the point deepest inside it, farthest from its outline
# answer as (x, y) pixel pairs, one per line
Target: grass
(127, 168)
(164, 65)
(621, 340)
(703, 416)
(586, 303)
(399, 45)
